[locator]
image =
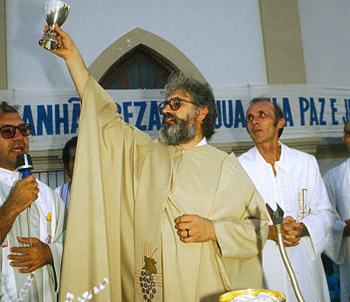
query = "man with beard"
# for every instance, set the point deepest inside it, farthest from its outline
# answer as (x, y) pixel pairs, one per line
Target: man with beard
(191, 223)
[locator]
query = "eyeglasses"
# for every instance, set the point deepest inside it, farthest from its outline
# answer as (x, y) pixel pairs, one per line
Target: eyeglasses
(174, 103)
(9, 131)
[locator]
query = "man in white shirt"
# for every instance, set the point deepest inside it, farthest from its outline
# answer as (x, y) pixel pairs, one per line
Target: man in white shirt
(31, 221)
(337, 181)
(68, 158)
(292, 179)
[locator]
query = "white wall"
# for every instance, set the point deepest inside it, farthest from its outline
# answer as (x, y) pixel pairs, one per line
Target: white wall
(222, 38)
(325, 27)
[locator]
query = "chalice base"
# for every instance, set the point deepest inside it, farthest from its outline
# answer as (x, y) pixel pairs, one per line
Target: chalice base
(49, 42)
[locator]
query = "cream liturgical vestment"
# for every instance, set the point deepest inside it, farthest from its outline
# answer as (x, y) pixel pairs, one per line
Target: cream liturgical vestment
(337, 181)
(299, 190)
(45, 218)
(129, 189)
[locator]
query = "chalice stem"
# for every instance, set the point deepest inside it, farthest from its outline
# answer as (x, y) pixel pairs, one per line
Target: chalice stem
(287, 264)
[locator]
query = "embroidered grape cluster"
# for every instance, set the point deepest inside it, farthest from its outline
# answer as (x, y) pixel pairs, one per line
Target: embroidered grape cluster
(147, 285)
(147, 282)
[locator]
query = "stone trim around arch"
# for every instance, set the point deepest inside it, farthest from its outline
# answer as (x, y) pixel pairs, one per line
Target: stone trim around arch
(134, 38)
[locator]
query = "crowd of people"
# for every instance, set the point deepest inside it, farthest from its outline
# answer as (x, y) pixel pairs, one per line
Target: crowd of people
(171, 219)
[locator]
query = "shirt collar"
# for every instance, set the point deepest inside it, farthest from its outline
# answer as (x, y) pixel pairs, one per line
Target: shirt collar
(282, 163)
(203, 142)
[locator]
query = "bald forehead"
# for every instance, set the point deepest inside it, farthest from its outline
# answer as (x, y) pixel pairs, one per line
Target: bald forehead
(262, 106)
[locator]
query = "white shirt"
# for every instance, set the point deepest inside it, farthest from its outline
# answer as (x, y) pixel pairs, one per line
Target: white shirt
(64, 192)
(299, 190)
(337, 181)
(43, 220)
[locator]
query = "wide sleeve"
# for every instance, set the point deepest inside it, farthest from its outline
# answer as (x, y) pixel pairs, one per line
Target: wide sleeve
(334, 242)
(322, 215)
(101, 212)
(102, 107)
(240, 217)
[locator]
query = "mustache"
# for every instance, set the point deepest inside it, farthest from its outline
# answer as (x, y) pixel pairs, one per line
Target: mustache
(18, 145)
(169, 115)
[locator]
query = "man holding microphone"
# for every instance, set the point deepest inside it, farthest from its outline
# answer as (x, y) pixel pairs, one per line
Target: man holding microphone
(31, 221)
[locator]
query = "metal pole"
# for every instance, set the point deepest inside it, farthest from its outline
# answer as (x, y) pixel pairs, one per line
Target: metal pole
(277, 218)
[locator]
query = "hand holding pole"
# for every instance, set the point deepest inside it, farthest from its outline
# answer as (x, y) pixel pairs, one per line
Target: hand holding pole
(277, 219)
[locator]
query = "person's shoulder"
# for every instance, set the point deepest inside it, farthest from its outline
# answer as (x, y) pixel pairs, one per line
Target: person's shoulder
(63, 188)
(296, 154)
(208, 152)
(248, 156)
(43, 185)
(212, 149)
(336, 170)
(240, 170)
(46, 191)
(299, 161)
(244, 161)
(156, 145)
(58, 189)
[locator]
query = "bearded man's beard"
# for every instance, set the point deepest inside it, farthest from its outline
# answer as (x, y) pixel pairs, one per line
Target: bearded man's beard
(180, 132)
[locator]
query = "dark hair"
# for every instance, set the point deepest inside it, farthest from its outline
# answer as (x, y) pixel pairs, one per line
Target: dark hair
(278, 111)
(65, 153)
(201, 94)
(345, 124)
(7, 108)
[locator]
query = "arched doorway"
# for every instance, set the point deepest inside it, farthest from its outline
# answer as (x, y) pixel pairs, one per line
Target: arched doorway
(132, 48)
(140, 68)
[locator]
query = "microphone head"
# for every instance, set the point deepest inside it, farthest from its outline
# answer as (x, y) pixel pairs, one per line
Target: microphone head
(24, 163)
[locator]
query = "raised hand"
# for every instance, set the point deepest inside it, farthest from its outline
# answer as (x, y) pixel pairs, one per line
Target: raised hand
(70, 53)
(68, 47)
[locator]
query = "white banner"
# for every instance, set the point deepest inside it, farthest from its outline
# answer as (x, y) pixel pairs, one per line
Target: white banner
(309, 112)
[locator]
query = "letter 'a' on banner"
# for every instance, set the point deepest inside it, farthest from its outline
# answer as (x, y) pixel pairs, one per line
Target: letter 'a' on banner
(309, 112)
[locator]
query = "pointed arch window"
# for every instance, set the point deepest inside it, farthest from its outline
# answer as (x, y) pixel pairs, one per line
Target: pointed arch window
(140, 68)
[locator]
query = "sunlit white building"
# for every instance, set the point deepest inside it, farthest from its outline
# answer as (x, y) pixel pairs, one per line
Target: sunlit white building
(295, 52)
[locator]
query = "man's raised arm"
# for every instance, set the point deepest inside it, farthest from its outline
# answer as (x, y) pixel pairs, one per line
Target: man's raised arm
(70, 53)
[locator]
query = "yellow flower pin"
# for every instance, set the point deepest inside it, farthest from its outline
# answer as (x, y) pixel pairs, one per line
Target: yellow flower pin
(48, 217)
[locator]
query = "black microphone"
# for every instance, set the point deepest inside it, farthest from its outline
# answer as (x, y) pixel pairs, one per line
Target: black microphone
(24, 164)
